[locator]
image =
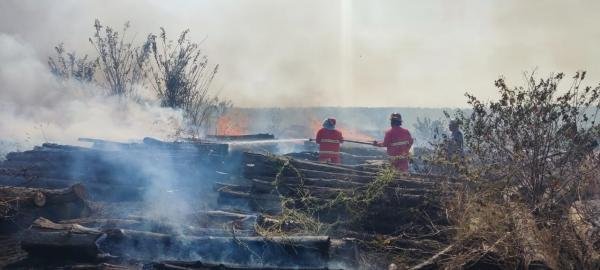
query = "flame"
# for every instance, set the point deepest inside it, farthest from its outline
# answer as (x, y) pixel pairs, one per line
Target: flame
(355, 134)
(232, 124)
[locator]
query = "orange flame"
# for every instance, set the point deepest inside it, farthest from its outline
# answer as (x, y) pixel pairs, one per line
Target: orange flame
(355, 134)
(232, 124)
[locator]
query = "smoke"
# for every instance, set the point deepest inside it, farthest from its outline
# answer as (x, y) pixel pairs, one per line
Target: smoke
(35, 107)
(277, 53)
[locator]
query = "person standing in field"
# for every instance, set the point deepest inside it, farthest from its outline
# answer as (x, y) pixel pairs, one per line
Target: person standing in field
(329, 140)
(456, 142)
(398, 142)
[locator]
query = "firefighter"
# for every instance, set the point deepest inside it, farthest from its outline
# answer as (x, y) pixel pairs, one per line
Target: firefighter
(398, 142)
(455, 143)
(329, 140)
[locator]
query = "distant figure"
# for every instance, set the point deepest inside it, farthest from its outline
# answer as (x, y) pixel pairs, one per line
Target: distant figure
(398, 142)
(455, 143)
(329, 140)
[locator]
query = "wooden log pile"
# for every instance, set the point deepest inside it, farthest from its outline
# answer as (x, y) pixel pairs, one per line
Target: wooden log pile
(50, 221)
(335, 194)
(272, 180)
(59, 213)
(111, 171)
(50, 243)
(20, 206)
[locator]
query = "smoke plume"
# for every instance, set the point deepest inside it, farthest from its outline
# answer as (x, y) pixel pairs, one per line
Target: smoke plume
(35, 107)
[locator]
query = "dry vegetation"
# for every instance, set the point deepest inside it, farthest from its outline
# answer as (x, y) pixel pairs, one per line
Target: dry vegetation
(530, 158)
(177, 71)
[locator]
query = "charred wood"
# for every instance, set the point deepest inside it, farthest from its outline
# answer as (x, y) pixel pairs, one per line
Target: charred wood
(81, 243)
(161, 227)
(61, 244)
(189, 265)
(301, 251)
(97, 191)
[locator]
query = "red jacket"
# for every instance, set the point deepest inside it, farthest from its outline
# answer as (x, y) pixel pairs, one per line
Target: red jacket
(329, 141)
(398, 142)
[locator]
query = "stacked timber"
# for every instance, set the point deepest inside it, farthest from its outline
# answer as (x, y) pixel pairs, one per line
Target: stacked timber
(273, 180)
(112, 171)
(61, 227)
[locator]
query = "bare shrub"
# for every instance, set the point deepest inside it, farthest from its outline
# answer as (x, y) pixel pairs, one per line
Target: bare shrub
(536, 138)
(181, 77)
(68, 66)
(119, 61)
(528, 160)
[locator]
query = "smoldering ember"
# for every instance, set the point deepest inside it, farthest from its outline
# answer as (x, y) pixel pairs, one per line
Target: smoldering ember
(279, 134)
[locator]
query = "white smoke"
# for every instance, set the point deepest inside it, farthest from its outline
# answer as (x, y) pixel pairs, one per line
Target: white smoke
(35, 107)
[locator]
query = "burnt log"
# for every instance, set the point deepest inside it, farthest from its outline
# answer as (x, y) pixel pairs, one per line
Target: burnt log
(97, 191)
(258, 172)
(209, 219)
(191, 265)
(218, 149)
(50, 240)
(318, 182)
(21, 206)
(61, 244)
(344, 184)
(264, 203)
(218, 185)
(259, 186)
(271, 165)
(278, 251)
(159, 227)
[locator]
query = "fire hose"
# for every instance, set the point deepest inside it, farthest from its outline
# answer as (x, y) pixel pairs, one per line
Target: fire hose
(350, 141)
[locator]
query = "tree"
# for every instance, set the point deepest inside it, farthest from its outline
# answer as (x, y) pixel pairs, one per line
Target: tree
(181, 77)
(119, 61)
(68, 66)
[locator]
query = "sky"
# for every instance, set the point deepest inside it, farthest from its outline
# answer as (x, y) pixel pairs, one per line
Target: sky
(283, 53)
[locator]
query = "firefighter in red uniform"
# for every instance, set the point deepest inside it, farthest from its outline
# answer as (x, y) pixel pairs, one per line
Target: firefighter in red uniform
(398, 142)
(329, 140)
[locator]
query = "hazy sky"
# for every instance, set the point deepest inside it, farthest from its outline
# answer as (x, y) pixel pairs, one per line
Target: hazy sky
(342, 53)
